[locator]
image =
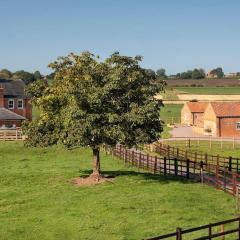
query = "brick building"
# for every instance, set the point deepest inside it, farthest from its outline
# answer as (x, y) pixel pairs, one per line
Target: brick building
(222, 119)
(15, 106)
(192, 113)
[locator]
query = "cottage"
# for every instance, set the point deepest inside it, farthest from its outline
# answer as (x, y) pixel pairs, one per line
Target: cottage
(222, 119)
(14, 104)
(192, 113)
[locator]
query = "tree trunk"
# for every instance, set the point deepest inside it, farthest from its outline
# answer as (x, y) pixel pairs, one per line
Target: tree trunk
(96, 164)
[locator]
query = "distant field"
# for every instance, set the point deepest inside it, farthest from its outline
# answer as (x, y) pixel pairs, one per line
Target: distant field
(216, 147)
(223, 82)
(209, 90)
(171, 113)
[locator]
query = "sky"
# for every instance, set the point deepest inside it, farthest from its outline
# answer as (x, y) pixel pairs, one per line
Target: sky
(173, 34)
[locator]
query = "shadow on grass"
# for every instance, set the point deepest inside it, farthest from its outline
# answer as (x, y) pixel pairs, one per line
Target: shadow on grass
(141, 175)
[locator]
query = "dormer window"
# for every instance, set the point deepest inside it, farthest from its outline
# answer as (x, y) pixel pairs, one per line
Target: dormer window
(10, 104)
(20, 103)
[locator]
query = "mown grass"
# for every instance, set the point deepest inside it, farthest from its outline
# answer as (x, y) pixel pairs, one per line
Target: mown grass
(224, 148)
(171, 113)
(38, 200)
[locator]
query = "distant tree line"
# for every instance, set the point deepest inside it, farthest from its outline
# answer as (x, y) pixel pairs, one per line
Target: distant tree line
(26, 77)
(196, 73)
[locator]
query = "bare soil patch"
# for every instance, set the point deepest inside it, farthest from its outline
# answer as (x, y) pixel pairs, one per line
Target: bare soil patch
(89, 181)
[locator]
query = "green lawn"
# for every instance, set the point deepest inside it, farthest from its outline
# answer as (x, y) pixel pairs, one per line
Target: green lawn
(215, 147)
(38, 200)
(209, 90)
(171, 113)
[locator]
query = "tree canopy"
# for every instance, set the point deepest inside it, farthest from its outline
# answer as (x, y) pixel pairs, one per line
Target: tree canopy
(90, 103)
(161, 73)
(25, 76)
(192, 74)
(218, 71)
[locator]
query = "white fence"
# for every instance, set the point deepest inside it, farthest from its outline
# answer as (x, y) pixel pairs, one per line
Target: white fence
(11, 134)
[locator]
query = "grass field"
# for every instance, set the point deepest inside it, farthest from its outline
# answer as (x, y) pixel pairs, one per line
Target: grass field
(225, 149)
(209, 90)
(38, 200)
(171, 113)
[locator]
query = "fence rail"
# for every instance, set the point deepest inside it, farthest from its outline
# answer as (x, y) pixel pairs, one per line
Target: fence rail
(179, 233)
(11, 134)
(230, 163)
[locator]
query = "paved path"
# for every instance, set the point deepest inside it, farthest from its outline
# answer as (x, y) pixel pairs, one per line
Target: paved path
(184, 132)
(187, 132)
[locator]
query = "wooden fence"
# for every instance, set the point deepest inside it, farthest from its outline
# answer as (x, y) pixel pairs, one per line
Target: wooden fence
(206, 231)
(208, 172)
(205, 170)
(230, 163)
(11, 134)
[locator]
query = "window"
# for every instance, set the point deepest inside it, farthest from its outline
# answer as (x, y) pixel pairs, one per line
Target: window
(20, 103)
(10, 103)
(238, 125)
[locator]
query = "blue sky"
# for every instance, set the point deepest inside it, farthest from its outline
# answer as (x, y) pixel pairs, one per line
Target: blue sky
(174, 34)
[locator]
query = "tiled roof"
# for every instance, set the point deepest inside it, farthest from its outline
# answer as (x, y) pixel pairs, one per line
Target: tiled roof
(6, 114)
(198, 107)
(12, 87)
(226, 109)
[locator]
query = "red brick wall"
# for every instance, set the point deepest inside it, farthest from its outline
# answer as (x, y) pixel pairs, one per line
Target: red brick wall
(227, 127)
(25, 112)
(10, 122)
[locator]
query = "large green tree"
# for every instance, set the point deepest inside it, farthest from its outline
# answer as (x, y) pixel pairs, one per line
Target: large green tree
(26, 77)
(5, 73)
(92, 102)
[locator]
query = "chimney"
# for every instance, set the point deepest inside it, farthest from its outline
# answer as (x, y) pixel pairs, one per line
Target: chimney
(1, 96)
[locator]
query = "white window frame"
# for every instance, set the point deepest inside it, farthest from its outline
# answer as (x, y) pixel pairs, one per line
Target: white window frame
(18, 102)
(12, 104)
(238, 125)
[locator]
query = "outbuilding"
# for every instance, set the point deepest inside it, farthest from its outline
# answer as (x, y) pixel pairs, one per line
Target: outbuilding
(192, 113)
(222, 119)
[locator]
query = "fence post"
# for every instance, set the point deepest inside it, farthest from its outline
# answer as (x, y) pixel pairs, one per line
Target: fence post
(165, 165)
(206, 158)
(178, 153)
(230, 164)
(132, 156)
(168, 151)
(155, 165)
(139, 160)
(201, 171)
(160, 146)
(125, 156)
(234, 184)
(222, 231)
(217, 171)
(237, 199)
(189, 143)
(239, 228)
(147, 161)
(188, 163)
(175, 166)
(210, 231)
(178, 234)
(120, 153)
